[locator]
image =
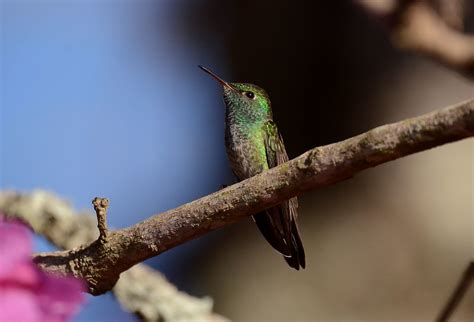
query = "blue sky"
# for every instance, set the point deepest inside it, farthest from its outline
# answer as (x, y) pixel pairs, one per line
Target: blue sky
(104, 98)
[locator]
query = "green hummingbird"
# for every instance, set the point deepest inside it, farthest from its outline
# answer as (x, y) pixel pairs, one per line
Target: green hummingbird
(253, 145)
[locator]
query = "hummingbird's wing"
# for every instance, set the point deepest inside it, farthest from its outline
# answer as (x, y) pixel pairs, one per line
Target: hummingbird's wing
(278, 224)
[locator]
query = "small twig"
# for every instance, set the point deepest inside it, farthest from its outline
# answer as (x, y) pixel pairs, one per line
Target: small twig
(101, 264)
(100, 207)
(458, 294)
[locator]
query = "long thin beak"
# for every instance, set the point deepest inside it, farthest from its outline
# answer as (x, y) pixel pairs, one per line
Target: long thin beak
(220, 80)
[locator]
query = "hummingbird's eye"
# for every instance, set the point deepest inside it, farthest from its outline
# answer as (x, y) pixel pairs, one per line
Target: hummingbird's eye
(250, 95)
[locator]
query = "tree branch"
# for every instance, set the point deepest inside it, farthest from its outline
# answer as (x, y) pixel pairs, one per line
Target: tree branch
(416, 26)
(100, 264)
(140, 290)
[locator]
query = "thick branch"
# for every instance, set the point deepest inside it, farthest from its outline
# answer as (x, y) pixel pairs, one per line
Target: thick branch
(416, 26)
(141, 290)
(101, 264)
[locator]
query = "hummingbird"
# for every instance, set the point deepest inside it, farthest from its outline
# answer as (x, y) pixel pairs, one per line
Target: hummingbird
(254, 145)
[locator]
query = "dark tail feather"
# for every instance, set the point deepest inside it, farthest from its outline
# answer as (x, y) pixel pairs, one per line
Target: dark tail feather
(278, 226)
(271, 232)
(297, 258)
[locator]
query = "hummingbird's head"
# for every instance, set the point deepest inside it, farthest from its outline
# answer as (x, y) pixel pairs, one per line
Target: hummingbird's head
(247, 99)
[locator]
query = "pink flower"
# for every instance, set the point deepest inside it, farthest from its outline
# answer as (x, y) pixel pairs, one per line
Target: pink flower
(27, 294)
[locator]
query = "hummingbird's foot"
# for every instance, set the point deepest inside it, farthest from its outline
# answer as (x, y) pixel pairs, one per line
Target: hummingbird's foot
(223, 186)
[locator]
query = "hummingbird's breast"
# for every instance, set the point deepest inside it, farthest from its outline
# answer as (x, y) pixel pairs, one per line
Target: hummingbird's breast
(245, 147)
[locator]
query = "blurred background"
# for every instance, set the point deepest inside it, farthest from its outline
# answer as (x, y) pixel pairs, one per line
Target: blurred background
(104, 98)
